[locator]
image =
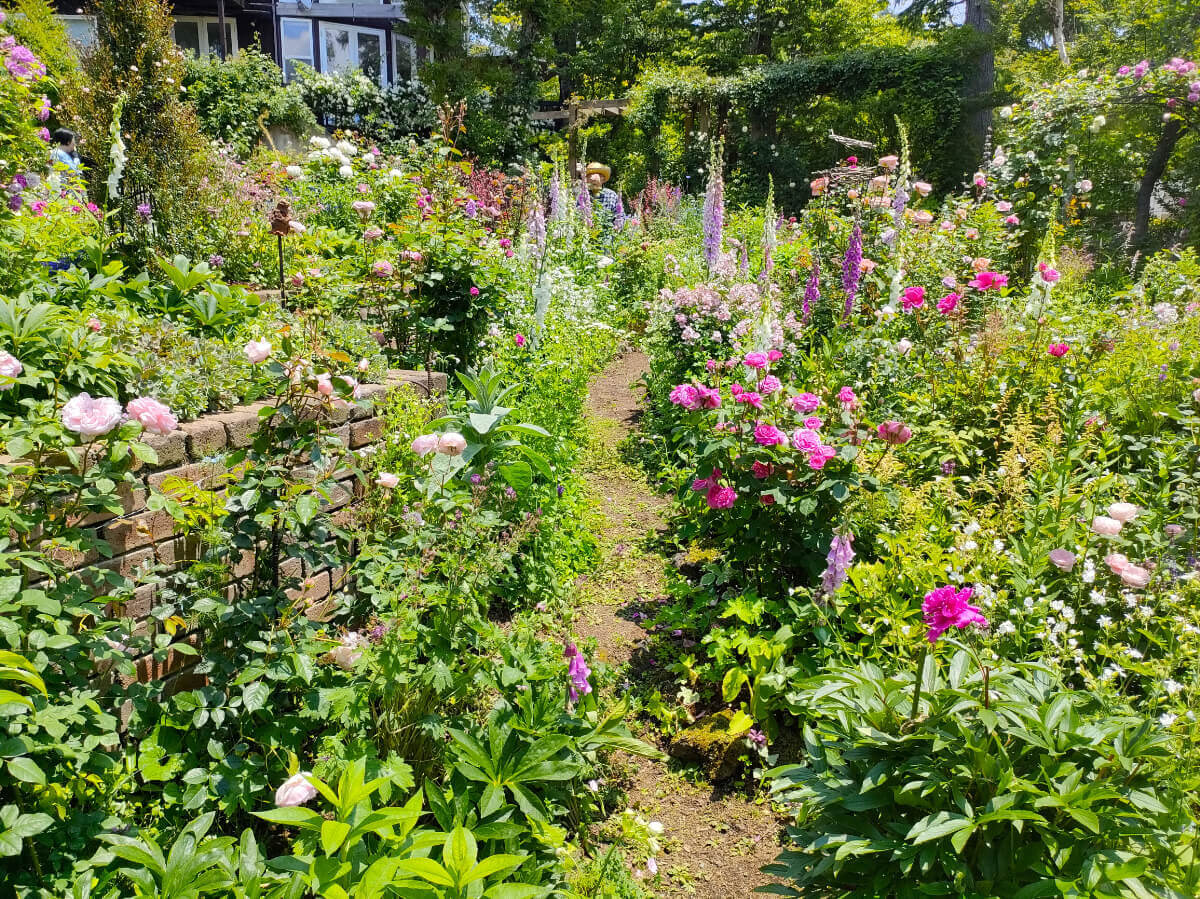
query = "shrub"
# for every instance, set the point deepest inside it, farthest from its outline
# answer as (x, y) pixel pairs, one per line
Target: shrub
(351, 101)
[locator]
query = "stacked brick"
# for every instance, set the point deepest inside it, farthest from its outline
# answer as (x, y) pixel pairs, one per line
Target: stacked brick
(196, 453)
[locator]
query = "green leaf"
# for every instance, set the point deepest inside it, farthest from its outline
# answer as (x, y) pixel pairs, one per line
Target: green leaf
(333, 834)
(26, 769)
(307, 507)
(292, 817)
(426, 869)
(255, 696)
(517, 475)
(936, 826)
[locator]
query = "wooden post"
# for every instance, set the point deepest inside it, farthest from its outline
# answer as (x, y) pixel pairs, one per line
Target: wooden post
(573, 139)
(221, 25)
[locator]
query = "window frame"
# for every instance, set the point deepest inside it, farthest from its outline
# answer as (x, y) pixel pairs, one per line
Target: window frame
(402, 43)
(311, 59)
(202, 23)
(354, 31)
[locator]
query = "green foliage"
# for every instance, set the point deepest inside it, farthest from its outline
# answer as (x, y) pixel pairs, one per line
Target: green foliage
(237, 99)
(351, 101)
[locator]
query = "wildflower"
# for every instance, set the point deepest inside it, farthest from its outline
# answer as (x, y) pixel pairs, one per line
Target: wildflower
(425, 444)
(988, 281)
(851, 269)
(946, 607)
(1166, 719)
(577, 672)
(152, 415)
(912, 298)
(452, 444)
(837, 562)
(144, 211)
(296, 790)
(1058, 350)
(91, 417)
(1062, 559)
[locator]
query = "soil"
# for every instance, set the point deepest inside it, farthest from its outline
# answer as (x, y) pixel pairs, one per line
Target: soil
(715, 841)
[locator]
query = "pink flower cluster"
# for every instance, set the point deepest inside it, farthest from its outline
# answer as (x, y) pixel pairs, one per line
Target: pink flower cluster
(92, 417)
(716, 495)
(947, 607)
(696, 396)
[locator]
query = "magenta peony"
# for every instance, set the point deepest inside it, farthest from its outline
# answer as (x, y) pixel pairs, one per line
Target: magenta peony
(90, 417)
(946, 607)
(152, 415)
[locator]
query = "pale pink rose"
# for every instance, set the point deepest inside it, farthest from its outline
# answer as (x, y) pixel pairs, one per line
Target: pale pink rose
(296, 790)
(349, 651)
(364, 364)
(425, 444)
(258, 350)
(387, 479)
(10, 367)
(452, 444)
(889, 162)
(95, 324)
(1123, 512)
(1173, 531)
(879, 183)
(1196, 395)
(89, 417)
(1106, 527)
(921, 217)
(1062, 559)
(1116, 562)
(324, 385)
(904, 346)
(1135, 576)
(373, 234)
(923, 188)
(364, 208)
(152, 415)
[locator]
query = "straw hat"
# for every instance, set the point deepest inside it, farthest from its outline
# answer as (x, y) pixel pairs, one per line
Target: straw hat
(599, 168)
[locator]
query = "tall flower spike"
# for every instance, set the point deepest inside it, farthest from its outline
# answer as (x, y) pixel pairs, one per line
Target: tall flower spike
(851, 271)
(714, 207)
(812, 292)
(770, 226)
(841, 554)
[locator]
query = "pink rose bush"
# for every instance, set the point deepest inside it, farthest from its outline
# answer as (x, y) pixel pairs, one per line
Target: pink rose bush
(91, 417)
(153, 416)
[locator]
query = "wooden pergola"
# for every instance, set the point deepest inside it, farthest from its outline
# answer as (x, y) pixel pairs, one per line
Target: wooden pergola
(575, 113)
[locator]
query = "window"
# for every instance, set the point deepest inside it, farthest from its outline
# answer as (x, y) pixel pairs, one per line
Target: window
(405, 55)
(296, 39)
(81, 29)
(348, 47)
(201, 35)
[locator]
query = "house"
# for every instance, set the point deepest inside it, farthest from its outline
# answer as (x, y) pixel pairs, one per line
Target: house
(327, 35)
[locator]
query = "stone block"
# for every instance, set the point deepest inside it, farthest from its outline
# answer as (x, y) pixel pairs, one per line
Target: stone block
(364, 432)
(205, 437)
(171, 449)
(145, 529)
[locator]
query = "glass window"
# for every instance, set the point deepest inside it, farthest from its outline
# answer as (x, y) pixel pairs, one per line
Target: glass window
(406, 58)
(340, 54)
(187, 37)
(296, 37)
(81, 29)
(213, 30)
(349, 47)
(370, 55)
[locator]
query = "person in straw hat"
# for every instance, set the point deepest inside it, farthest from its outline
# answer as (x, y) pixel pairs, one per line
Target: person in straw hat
(605, 198)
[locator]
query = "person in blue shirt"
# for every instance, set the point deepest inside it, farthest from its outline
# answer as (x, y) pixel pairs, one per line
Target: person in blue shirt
(64, 149)
(604, 198)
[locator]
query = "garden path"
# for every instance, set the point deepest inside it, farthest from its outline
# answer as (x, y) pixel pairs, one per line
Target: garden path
(715, 840)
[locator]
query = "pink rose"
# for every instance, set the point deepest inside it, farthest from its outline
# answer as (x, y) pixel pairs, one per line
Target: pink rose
(519, 340)
(373, 234)
(720, 497)
(948, 303)
(818, 457)
(805, 440)
(818, 186)
(761, 470)
(768, 385)
(10, 367)
(1058, 350)
(364, 365)
(889, 162)
(904, 346)
(769, 435)
(382, 269)
(95, 324)
(989, 281)
(1135, 576)
(750, 398)
(923, 188)
(474, 291)
(1116, 562)
(774, 355)
(755, 360)
(1123, 512)
(1106, 527)
(258, 350)
(806, 402)
(947, 607)
(152, 415)
(90, 417)
(685, 395)
(452, 444)
(1063, 559)
(349, 651)
(425, 444)
(364, 208)
(296, 790)
(813, 423)
(912, 298)
(847, 398)
(1173, 531)
(894, 432)
(387, 479)
(1050, 275)
(324, 385)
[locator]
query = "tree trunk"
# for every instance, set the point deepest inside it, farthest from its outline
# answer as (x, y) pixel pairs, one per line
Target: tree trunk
(1156, 166)
(1057, 15)
(982, 81)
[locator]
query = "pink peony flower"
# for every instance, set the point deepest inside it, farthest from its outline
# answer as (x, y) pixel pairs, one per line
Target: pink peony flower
(1123, 512)
(1106, 527)
(806, 402)
(1058, 350)
(946, 607)
(894, 432)
(258, 350)
(912, 298)
(10, 367)
(425, 444)
(769, 435)
(90, 417)
(152, 415)
(1062, 559)
(387, 479)
(989, 281)
(948, 303)
(452, 443)
(720, 497)
(755, 360)
(296, 790)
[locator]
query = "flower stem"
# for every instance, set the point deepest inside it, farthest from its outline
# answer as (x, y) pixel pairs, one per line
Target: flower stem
(916, 703)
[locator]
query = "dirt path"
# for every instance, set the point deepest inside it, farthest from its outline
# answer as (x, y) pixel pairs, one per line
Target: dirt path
(714, 843)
